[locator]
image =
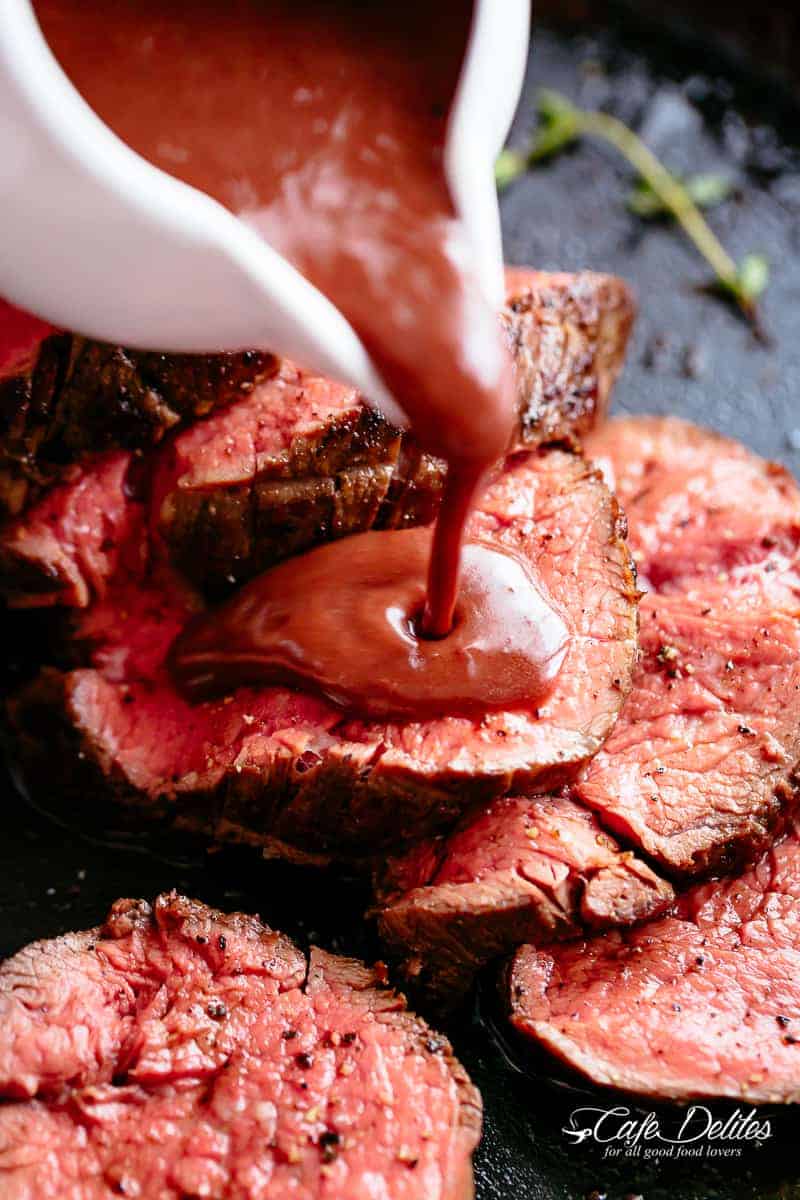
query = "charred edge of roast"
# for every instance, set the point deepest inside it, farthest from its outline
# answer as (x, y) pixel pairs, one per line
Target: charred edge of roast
(568, 334)
(77, 397)
(356, 473)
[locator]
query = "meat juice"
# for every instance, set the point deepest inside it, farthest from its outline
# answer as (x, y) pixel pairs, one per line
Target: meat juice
(323, 126)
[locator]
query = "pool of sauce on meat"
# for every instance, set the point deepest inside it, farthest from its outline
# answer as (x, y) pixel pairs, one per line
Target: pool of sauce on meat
(323, 126)
(506, 643)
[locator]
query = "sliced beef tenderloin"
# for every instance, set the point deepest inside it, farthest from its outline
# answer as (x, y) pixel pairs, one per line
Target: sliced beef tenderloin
(68, 544)
(704, 1002)
(700, 771)
(68, 398)
(297, 460)
(275, 765)
(177, 1051)
(230, 495)
(698, 504)
(520, 869)
(303, 460)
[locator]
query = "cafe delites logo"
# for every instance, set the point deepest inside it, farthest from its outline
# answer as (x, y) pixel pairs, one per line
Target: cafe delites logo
(691, 1133)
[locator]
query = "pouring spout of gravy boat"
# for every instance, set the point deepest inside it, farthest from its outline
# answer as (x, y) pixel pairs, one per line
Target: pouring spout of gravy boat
(97, 239)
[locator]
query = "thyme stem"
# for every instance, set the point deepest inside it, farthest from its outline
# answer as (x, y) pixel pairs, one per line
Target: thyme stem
(562, 123)
(669, 190)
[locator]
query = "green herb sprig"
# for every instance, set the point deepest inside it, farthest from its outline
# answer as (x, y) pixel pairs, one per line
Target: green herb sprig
(707, 190)
(658, 192)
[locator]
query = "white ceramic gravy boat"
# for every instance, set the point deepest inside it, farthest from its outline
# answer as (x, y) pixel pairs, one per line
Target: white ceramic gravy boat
(96, 239)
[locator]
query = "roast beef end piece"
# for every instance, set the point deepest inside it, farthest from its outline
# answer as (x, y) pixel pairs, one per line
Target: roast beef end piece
(568, 336)
(178, 1050)
(521, 869)
(701, 1003)
(278, 767)
(69, 398)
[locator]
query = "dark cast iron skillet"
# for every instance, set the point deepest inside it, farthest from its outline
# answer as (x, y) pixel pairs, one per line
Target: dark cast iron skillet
(715, 96)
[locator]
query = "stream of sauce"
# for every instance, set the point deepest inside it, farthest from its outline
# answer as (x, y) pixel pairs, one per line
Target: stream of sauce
(323, 125)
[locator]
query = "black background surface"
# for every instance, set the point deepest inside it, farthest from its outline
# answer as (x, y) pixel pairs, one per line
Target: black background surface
(700, 109)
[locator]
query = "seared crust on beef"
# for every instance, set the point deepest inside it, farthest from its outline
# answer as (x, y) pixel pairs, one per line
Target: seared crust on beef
(701, 1003)
(177, 1049)
(75, 397)
(305, 461)
(270, 764)
(296, 461)
(300, 462)
(568, 336)
(521, 869)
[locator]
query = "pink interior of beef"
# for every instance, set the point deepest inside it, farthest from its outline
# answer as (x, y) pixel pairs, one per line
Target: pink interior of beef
(698, 504)
(178, 1051)
(20, 334)
(703, 1002)
(546, 506)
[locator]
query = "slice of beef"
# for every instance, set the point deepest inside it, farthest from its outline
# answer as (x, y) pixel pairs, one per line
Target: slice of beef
(230, 495)
(68, 544)
(568, 336)
(520, 869)
(272, 763)
(704, 1002)
(698, 504)
(301, 461)
(304, 460)
(700, 770)
(67, 398)
(178, 1051)
(297, 460)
